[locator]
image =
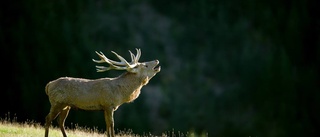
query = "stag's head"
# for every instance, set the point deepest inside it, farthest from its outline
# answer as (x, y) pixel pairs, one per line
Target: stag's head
(143, 69)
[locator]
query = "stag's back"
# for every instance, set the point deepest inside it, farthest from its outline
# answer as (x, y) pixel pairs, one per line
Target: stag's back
(75, 91)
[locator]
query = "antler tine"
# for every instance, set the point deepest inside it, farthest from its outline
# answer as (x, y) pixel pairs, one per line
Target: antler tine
(124, 60)
(133, 58)
(138, 55)
(102, 57)
(103, 68)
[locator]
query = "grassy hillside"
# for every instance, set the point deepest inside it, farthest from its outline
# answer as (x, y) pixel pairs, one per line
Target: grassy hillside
(31, 129)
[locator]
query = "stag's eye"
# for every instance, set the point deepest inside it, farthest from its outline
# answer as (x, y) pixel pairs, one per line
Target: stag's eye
(146, 66)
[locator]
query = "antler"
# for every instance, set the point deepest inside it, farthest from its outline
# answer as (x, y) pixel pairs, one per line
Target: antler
(123, 65)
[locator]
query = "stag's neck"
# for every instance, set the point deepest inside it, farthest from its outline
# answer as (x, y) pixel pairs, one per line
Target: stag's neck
(130, 85)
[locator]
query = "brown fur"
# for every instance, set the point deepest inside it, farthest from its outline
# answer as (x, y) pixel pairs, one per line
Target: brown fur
(105, 94)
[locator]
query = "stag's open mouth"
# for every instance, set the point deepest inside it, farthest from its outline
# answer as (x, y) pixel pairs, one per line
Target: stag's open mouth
(157, 69)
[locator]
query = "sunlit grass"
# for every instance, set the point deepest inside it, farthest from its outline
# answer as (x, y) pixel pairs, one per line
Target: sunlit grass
(30, 129)
(10, 128)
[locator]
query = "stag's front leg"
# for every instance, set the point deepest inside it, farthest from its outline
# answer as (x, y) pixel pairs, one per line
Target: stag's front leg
(108, 115)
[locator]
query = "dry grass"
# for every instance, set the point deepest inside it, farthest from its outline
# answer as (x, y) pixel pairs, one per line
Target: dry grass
(11, 128)
(14, 129)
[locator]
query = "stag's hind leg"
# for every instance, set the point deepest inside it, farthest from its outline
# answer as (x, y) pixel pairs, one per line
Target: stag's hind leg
(52, 115)
(62, 117)
(54, 112)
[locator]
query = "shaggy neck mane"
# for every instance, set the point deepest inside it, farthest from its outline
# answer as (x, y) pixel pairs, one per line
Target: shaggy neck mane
(130, 85)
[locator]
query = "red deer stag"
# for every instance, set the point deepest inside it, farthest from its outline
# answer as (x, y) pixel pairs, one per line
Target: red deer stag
(105, 94)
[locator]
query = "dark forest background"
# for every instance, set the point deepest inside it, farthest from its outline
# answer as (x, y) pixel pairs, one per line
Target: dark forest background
(229, 67)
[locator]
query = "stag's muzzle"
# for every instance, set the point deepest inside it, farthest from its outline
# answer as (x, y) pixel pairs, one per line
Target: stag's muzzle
(155, 68)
